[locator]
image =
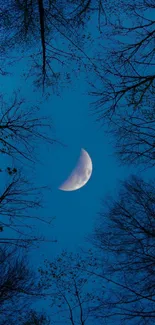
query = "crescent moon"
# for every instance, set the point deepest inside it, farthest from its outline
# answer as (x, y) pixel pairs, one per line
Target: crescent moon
(80, 174)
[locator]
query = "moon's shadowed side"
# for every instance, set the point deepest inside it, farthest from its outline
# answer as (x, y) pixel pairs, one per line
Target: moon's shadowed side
(80, 174)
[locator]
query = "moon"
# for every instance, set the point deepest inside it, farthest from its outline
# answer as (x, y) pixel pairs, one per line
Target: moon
(80, 174)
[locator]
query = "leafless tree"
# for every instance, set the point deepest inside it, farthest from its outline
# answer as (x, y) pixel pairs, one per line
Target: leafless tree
(18, 285)
(52, 33)
(36, 318)
(134, 136)
(70, 289)
(125, 90)
(124, 239)
(130, 68)
(121, 263)
(19, 202)
(21, 129)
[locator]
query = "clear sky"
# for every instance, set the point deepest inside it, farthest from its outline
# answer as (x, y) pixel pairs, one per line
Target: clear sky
(75, 126)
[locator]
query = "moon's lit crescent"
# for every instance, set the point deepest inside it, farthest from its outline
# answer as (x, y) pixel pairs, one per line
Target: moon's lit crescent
(80, 174)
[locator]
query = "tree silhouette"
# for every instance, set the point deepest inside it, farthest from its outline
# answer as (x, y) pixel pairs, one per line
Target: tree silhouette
(35, 318)
(114, 280)
(70, 289)
(18, 285)
(135, 138)
(19, 200)
(52, 33)
(21, 129)
(125, 90)
(125, 241)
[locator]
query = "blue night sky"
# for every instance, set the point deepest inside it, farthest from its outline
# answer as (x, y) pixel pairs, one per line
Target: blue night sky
(75, 126)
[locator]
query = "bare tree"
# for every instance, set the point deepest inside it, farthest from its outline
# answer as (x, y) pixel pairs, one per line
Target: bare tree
(18, 285)
(129, 70)
(124, 239)
(135, 137)
(52, 32)
(21, 129)
(19, 201)
(125, 89)
(36, 318)
(121, 264)
(70, 289)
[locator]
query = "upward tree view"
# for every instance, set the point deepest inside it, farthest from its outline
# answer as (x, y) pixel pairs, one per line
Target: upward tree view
(109, 46)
